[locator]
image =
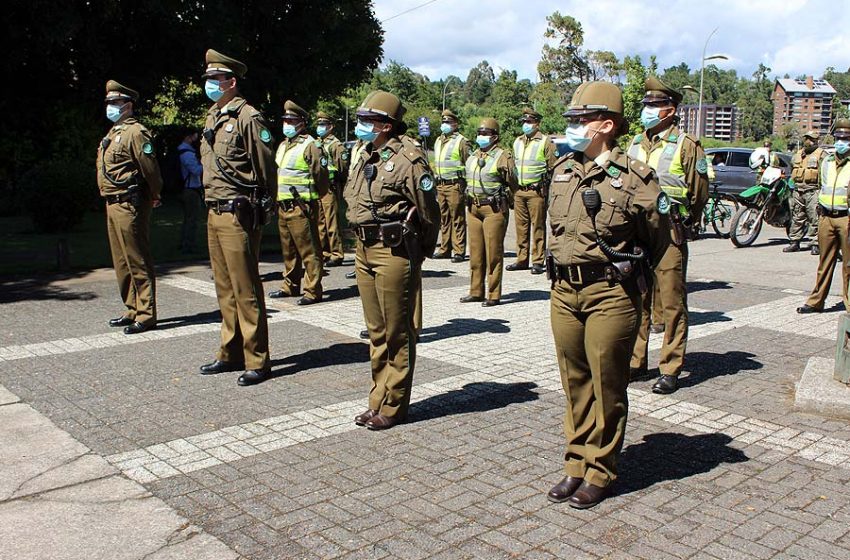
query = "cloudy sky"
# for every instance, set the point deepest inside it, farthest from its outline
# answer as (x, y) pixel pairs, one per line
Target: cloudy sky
(793, 36)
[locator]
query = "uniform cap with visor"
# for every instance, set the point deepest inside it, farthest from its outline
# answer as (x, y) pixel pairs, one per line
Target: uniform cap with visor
(292, 109)
(659, 92)
(448, 116)
(842, 127)
(324, 118)
(529, 114)
(218, 63)
(489, 125)
(116, 91)
(591, 98)
(813, 134)
(382, 104)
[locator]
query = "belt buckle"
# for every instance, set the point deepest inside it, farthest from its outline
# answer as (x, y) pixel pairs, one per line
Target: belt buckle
(574, 274)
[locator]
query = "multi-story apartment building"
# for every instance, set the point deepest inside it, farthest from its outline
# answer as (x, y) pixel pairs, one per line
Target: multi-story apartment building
(718, 121)
(807, 102)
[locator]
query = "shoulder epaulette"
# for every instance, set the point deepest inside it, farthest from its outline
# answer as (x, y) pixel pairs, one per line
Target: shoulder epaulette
(641, 169)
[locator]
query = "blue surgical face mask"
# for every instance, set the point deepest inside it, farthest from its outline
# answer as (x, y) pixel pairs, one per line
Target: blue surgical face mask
(446, 128)
(527, 128)
(842, 146)
(576, 137)
(289, 130)
(650, 117)
(483, 141)
(365, 131)
(322, 130)
(113, 112)
(212, 89)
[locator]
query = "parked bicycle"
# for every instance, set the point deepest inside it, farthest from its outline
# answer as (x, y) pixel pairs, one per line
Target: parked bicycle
(718, 212)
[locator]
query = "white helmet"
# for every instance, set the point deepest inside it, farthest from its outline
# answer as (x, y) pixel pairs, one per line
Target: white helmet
(759, 158)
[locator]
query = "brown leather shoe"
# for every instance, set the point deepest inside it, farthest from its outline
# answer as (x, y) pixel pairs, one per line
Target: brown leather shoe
(364, 417)
(588, 496)
(381, 422)
(562, 491)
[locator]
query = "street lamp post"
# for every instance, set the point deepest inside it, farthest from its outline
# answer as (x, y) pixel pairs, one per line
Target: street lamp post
(346, 121)
(702, 76)
(445, 87)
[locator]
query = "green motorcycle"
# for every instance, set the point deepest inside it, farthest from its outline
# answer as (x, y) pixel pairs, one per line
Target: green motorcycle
(768, 202)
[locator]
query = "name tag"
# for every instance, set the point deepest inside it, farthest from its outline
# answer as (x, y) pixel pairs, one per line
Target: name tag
(118, 139)
(562, 177)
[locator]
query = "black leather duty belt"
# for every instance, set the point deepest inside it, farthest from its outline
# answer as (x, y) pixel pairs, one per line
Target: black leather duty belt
(833, 213)
(220, 206)
(484, 200)
(117, 198)
(585, 274)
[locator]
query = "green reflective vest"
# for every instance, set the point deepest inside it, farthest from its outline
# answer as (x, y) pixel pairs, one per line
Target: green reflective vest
(447, 157)
(530, 159)
(293, 171)
(833, 184)
(484, 181)
(666, 160)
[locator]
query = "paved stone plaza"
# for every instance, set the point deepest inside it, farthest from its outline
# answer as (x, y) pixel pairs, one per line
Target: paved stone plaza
(115, 448)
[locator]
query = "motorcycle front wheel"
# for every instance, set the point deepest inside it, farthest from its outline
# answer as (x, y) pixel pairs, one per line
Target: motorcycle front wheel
(745, 226)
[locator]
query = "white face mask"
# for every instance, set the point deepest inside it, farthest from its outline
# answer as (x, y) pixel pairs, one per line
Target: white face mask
(576, 137)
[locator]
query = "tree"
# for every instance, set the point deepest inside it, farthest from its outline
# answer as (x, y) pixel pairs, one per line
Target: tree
(633, 92)
(565, 62)
(603, 65)
(755, 105)
(479, 83)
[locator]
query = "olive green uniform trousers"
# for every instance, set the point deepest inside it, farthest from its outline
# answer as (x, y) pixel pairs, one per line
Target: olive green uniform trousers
(389, 285)
(452, 200)
(594, 328)
(486, 249)
(804, 213)
(832, 240)
(669, 281)
(234, 255)
(129, 242)
(302, 255)
(330, 233)
(530, 214)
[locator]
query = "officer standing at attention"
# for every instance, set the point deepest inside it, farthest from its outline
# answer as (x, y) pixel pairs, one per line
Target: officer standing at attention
(392, 207)
(679, 161)
(129, 181)
(832, 226)
(491, 176)
(239, 170)
(535, 156)
(605, 215)
(337, 156)
(451, 150)
(805, 172)
(302, 179)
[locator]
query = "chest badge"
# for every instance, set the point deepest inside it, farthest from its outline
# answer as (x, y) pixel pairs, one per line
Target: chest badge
(228, 128)
(389, 166)
(617, 183)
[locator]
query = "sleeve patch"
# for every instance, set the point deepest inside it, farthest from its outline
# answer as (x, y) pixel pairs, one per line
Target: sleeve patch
(265, 135)
(702, 166)
(426, 182)
(324, 162)
(663, 203)
(147, 148)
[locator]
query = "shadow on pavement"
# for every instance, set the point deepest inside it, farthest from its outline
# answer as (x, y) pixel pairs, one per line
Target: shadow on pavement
(462, 327)
(473, 397)
(40, 289)
(336, 355)
(337, 294)
(706, 286)
(437, 273)
(526, 295)
(204, 318)
(702, 366)
(705, 317)
(670, 456)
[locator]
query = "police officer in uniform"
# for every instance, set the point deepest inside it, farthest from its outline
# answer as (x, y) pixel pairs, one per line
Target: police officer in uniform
(337, 156)
(451, 150)
(392, 207)
(534, 155)
(605, 215)
(805, 172)
(130, 182)
(832, 224)
(491, 178)
(239, 171)
(302, 179)
(679, 161)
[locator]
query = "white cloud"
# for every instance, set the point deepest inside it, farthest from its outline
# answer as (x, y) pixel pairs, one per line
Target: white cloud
(451, 36)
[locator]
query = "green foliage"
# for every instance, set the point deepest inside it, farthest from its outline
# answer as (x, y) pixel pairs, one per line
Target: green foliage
(633, 92)
(57, 194)
(566, 61)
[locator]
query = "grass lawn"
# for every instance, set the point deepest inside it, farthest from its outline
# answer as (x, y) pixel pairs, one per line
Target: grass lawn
(23, 251)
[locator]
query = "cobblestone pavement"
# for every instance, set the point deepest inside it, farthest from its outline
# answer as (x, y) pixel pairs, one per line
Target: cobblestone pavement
(724, 468)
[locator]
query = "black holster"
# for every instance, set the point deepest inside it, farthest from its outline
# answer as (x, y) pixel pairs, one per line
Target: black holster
(245, 213)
